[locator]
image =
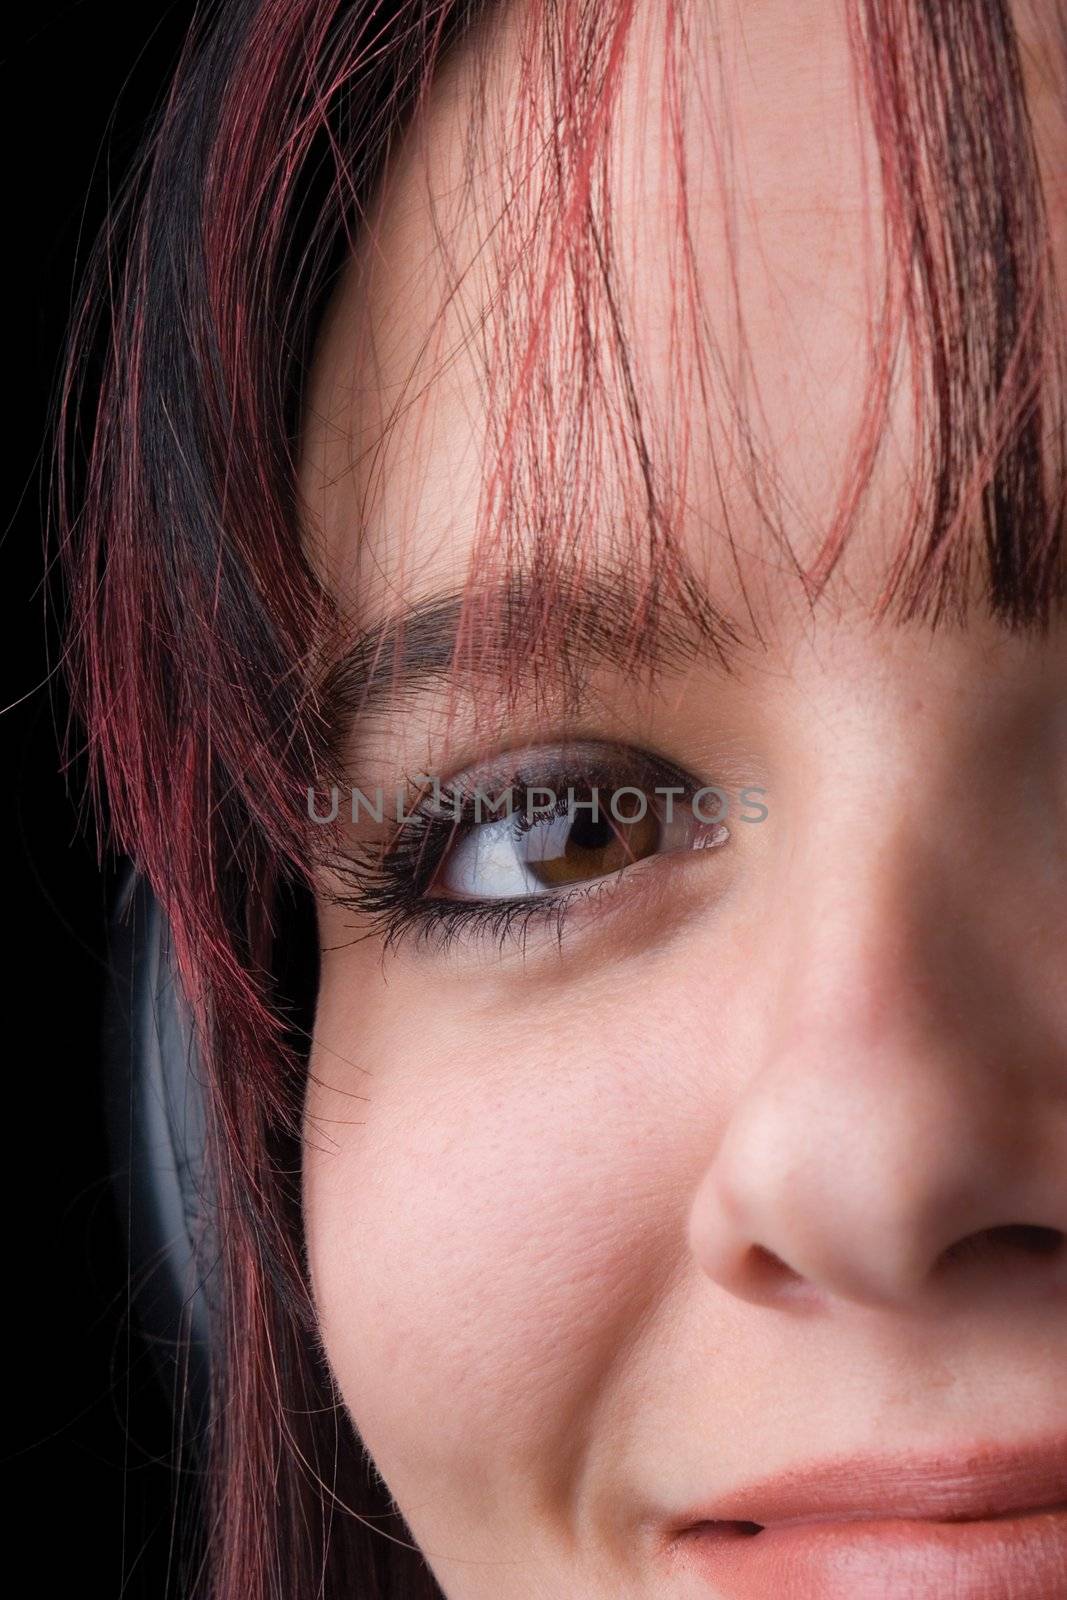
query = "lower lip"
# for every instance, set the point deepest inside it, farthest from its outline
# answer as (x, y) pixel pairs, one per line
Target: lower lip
(1019, 1557)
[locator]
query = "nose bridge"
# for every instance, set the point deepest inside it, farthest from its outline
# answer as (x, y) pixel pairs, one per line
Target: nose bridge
(902, 1101)
(873, 915)
(899, 892)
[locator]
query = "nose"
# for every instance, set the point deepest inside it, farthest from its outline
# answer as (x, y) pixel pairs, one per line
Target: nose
(901, 1140)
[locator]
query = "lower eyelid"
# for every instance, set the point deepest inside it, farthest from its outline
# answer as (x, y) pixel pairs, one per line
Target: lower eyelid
(531, 926)
(653, 876)
(584, 900)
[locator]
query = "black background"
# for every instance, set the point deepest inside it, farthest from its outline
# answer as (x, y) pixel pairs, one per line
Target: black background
(89, 1493)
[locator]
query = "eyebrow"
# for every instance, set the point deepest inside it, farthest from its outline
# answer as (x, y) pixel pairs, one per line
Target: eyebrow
(557, 625)
(555, 621)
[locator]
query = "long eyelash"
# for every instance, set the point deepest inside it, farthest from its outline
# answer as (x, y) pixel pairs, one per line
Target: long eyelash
(387, 886)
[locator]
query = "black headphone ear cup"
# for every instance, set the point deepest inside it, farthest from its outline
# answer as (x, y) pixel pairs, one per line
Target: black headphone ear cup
(154, 1109)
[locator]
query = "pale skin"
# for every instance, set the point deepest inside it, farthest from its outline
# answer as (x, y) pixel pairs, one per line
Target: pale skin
(598, 1230)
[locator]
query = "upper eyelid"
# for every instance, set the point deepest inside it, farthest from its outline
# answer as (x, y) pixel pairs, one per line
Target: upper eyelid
(507, 766)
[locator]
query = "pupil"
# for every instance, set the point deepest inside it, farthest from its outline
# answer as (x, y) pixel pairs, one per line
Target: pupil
(586, 834)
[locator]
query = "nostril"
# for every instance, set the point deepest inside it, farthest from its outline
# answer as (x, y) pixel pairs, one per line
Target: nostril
(768, 1270)
(1036, 1241)
(1014, 1238)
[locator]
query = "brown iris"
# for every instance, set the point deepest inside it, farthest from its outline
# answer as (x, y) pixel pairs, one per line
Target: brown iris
(582, 847)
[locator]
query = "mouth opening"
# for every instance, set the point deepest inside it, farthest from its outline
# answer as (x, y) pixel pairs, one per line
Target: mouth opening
(730, 1531)
(725, 1531)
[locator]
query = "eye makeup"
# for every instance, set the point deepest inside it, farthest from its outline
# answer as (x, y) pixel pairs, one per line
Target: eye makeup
(453, 872)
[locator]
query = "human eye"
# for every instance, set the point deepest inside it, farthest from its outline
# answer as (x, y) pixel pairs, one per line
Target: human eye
(503, 848)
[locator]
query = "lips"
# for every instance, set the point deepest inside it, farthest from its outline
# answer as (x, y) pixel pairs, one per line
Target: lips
(1014, 1558)
(986, 1524)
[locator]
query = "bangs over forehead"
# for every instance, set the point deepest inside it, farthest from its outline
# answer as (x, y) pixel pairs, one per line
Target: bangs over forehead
(962, 109)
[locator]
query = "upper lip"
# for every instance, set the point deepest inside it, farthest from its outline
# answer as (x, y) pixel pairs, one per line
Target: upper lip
(983, 1480)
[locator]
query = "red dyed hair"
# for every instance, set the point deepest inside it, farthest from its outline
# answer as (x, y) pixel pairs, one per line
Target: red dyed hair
(199, 638)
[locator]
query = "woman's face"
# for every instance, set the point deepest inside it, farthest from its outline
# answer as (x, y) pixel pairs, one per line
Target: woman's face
(753, 1161)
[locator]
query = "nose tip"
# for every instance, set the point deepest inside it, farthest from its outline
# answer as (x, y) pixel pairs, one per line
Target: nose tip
(1012, 1259)
(896, 1220)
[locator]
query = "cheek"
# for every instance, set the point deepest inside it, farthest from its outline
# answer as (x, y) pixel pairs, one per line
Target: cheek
(486, 1225)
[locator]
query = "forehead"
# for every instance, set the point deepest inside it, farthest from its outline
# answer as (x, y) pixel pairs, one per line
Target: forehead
(652, 318)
